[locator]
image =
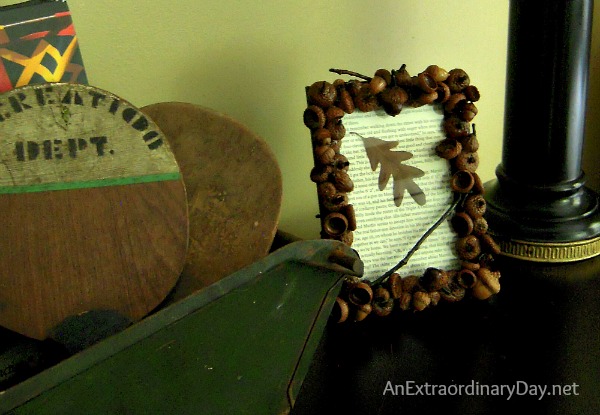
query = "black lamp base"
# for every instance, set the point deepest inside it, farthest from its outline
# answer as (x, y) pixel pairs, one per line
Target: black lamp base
(544, 224)
(539, 207)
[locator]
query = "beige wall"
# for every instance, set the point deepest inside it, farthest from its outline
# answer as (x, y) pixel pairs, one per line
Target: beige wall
(252, 60)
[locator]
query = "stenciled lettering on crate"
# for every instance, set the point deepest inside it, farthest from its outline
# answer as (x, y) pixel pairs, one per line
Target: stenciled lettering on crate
(61, 122)
(83, 170)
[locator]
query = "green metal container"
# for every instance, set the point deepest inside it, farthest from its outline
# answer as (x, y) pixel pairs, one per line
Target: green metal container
(240, 346)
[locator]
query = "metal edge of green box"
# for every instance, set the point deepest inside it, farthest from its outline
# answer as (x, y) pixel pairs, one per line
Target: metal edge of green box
(242, 345)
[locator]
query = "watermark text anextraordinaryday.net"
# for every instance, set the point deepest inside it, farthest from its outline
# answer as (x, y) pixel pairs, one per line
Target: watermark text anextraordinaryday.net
(519, 388)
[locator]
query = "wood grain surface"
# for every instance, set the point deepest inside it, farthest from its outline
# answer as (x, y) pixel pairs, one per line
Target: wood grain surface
(94, 212)
(234, 190)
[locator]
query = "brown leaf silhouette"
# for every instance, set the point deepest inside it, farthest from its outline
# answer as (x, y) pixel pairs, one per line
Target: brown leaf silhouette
(380, 153)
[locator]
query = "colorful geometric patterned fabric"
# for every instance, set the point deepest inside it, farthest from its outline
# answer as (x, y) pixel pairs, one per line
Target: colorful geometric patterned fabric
(38, 44)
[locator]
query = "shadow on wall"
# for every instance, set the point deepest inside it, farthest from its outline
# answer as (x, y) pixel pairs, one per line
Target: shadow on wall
(237, 81)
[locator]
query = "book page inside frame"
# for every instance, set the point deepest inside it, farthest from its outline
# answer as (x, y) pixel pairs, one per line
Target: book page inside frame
(401, 187)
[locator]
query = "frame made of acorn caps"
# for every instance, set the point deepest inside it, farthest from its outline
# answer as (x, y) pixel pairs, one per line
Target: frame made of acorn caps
(391, 91)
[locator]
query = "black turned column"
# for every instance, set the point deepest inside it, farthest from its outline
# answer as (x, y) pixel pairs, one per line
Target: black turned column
(539, 208)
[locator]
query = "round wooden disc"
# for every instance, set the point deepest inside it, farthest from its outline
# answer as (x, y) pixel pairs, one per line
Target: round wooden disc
(94, 212)
(234, 190)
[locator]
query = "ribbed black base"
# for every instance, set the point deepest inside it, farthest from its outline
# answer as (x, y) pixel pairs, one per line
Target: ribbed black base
(544, 224)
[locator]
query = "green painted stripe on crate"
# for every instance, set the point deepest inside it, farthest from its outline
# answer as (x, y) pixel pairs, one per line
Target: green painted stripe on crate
(117, 181)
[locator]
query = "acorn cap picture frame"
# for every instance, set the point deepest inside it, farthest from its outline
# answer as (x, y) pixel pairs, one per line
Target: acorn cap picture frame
(395, 160)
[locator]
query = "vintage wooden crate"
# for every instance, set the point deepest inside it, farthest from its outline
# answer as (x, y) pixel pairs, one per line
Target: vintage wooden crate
(241, 345)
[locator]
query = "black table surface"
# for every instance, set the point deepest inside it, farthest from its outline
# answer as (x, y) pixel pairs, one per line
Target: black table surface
(533, 348)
